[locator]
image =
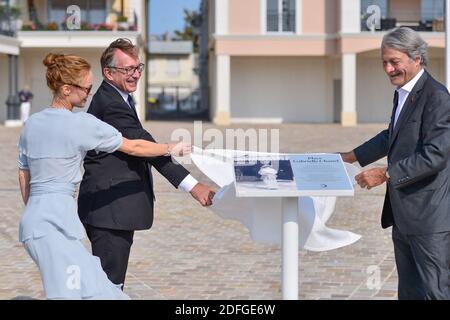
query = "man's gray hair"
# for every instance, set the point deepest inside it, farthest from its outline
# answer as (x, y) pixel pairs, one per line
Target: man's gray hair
(408, 41)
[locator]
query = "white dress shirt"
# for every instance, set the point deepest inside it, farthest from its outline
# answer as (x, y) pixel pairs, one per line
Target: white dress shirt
(189, 182)
(403, 94)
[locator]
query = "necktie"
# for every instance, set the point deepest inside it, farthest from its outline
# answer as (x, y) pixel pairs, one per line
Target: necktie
(132, 105)
(394, 110)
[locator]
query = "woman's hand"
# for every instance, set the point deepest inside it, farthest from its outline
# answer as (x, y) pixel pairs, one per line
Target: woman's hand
(179, 149)
(144, 148)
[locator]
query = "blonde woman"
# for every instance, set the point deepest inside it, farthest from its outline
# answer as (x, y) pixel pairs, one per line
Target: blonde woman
(52, 146)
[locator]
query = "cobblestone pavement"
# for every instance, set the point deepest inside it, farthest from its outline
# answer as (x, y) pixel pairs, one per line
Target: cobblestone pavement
(191, 253)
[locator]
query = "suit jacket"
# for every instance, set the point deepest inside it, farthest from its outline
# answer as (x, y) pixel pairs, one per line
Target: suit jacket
(417, 198)
(117, 190)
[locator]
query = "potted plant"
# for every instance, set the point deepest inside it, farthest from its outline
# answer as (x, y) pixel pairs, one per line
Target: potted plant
(86, 26)
(28, 27)
(104, 27)
(14, 12)
(122, 23)
(51, 26)
(14, 15)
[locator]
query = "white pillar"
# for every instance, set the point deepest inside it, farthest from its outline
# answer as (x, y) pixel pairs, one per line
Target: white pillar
(137, 7)
(350, 16)
(263, 16)
(348, 114)
(350, 23)
(221, 16)
(222, 81)
(139, 98)
(447, 44)
(222, 102)
(139, 94)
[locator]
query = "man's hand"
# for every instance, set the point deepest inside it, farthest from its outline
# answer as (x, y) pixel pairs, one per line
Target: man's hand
(203, 194)
(348, 157)
(371, 178)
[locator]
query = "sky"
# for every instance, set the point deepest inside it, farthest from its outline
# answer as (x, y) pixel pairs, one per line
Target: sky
(167, 15)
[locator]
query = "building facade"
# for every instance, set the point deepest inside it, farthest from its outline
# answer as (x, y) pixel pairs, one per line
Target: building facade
(310, 61)
(9, 53)
(172, 79)
(42, 28)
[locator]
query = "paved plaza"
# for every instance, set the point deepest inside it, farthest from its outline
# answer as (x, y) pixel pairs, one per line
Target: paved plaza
(192, 253)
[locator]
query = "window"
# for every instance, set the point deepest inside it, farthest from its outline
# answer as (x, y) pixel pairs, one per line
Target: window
(281, 15)
(173, 67)
(92, 11)
(432, 9)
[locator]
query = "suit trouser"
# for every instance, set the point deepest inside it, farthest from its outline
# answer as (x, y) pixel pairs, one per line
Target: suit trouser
(113, 249)
(423, 265)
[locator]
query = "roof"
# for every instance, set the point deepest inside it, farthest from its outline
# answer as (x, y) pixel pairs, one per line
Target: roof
(170, 47)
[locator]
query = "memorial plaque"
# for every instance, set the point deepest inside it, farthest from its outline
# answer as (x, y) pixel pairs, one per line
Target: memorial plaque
(291, 175)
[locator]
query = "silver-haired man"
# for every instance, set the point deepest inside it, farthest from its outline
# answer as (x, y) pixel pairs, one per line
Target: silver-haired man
(417, 146)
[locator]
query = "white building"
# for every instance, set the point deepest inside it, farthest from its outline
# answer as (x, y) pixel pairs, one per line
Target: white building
(35, 44)
(309, 60)
(171, 67)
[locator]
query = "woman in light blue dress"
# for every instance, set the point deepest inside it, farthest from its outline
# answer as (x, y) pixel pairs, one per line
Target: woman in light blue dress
(52, 146)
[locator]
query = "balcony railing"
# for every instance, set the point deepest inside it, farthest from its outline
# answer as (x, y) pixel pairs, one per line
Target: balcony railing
(8, 25)
(433, 23)
(287, 19)
(84, 26)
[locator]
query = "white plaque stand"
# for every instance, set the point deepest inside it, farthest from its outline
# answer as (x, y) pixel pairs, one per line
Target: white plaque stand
(289, 245)
(319, 176)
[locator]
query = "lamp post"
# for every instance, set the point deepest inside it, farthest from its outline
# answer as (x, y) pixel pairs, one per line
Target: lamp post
(12, 102)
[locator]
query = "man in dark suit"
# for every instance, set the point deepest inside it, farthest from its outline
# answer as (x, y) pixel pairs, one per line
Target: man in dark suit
(116, 193)
(417, 146)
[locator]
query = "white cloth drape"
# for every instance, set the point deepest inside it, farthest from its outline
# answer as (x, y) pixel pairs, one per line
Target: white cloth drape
(263, 216)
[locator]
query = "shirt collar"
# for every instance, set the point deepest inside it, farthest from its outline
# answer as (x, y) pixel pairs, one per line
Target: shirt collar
(122, 93)
(410, 85)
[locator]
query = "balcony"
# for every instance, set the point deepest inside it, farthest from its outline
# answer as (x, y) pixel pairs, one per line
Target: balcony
(436, 25)
(423, 16)
(72, 39)
(82, 35)
(83, 26)
(87, 15)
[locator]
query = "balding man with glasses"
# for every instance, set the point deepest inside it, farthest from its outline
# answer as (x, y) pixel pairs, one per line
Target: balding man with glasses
(116, 193)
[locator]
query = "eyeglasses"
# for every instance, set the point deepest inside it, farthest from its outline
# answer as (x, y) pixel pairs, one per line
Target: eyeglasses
(86, 90)
(129, 71)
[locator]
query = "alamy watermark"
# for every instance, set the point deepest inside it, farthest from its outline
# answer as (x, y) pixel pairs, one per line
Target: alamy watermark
(250, 140)
(74, 277)
(373, 277)
(373, 17)
(73, 21)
